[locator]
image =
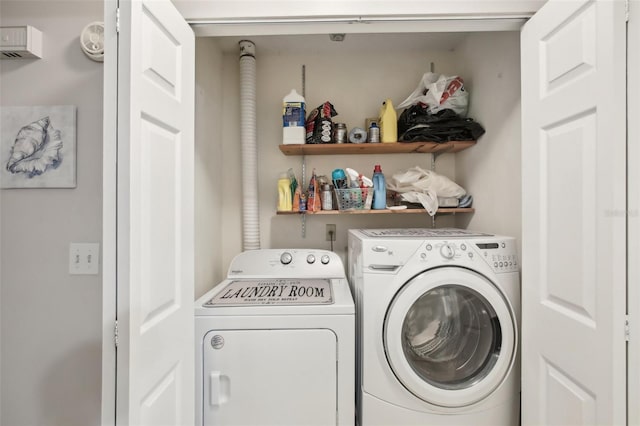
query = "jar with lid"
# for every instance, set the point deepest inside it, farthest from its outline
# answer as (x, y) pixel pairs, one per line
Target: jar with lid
(340, 133)
(326, 197)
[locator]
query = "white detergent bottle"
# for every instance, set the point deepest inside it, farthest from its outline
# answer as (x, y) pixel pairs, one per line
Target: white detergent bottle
(293, 115)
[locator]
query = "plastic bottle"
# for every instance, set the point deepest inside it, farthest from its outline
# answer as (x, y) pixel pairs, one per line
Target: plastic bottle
(293, 115)
(379, 189)
(313, 196)
(374, 133)
(388, 123)
(284, 193)
(327, 197)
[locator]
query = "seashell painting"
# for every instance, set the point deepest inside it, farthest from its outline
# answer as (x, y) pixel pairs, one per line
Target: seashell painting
(38, 147)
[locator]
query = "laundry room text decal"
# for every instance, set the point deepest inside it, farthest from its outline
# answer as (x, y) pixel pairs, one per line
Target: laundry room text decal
(274, 292)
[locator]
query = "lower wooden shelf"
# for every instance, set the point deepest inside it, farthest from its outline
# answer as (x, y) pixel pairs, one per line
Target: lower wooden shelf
(405, 211)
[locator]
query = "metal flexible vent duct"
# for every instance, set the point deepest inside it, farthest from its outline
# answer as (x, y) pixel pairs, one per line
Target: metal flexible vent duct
(248, 140)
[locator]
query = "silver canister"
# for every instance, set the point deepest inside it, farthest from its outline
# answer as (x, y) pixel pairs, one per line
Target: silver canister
(340, 133)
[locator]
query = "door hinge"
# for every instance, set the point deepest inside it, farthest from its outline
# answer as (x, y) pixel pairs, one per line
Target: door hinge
(117, 20)
(627, 328)
(115, 334)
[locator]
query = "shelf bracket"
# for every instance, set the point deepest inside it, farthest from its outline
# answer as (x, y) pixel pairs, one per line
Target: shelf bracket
(304, 161)
(302, 183)
(304, 225)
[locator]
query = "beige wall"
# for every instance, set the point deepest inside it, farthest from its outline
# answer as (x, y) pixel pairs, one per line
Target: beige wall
(356, 81)
(491, 171)
(51, 321)
(209, 160)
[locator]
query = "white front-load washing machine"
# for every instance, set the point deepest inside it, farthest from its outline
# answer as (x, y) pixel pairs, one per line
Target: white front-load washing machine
(275, 342)
(437, 327)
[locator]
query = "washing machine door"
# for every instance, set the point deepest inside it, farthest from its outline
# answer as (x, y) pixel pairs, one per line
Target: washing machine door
(450, 336)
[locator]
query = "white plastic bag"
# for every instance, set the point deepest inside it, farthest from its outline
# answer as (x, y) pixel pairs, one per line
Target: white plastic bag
(417, 185)
(440, 92)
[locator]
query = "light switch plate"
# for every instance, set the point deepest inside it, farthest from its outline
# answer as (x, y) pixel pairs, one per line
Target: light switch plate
(84, 258)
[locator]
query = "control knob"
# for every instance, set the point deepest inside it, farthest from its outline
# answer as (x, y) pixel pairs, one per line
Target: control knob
(324, 259)
(447, 251)
(286, 258)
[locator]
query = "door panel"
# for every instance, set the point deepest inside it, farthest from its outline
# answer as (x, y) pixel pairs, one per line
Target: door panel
(270, 377)
(573, 163)
(155, 215)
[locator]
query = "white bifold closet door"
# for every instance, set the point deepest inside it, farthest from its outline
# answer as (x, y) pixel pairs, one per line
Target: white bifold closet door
(574, 228)
(155, 214)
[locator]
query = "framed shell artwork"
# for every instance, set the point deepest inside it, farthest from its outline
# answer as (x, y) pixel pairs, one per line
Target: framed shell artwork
(38, 146)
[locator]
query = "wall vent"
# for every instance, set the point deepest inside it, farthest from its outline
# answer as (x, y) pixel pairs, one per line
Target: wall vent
(24, 42)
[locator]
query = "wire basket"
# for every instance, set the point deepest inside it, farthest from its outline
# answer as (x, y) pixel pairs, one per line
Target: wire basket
(354, 198)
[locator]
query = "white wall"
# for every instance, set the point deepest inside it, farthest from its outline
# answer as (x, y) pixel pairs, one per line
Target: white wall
(209, 160)
(356, 82)
(51, 321)
(490, 171)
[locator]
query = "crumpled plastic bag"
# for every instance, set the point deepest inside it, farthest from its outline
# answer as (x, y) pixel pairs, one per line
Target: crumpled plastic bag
(417, 185)
(439, 92)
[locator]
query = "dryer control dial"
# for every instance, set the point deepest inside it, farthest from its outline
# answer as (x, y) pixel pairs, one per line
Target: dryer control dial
(286, 258)
(311, 259)
(325, 259)
(447, 251)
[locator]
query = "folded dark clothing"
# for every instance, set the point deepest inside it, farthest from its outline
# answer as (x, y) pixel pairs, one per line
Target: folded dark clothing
(417, 124)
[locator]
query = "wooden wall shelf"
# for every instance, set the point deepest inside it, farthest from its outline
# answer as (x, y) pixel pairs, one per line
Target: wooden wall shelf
(376, 148)
(405, 211)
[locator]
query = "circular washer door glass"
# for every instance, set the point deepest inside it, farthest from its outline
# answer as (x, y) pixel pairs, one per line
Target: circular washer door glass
(451, 337)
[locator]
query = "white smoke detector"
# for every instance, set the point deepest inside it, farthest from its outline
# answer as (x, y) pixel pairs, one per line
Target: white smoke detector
(23, 42)
(92, 41)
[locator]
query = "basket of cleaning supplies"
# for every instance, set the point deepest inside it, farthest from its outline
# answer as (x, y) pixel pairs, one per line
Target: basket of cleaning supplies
(354, 198)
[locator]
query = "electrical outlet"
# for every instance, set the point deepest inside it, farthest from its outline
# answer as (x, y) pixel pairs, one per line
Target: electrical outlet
(84, 258)
(331, 232)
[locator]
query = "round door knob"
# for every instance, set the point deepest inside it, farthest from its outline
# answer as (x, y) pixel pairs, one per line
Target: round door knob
(286, 258)
(447, 251)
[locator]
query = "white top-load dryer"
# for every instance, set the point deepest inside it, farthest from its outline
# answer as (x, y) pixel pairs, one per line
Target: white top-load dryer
(275, 342)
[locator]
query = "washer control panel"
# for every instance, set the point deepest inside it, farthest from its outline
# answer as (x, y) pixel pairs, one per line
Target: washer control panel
(499, 255)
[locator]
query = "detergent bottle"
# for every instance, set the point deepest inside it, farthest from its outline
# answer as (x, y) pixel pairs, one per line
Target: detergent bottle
(388, 123)
(379, 189)
(284, 193)
(293, 130)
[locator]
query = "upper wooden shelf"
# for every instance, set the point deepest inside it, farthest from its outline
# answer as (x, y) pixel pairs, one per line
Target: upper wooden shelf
(376, 148)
